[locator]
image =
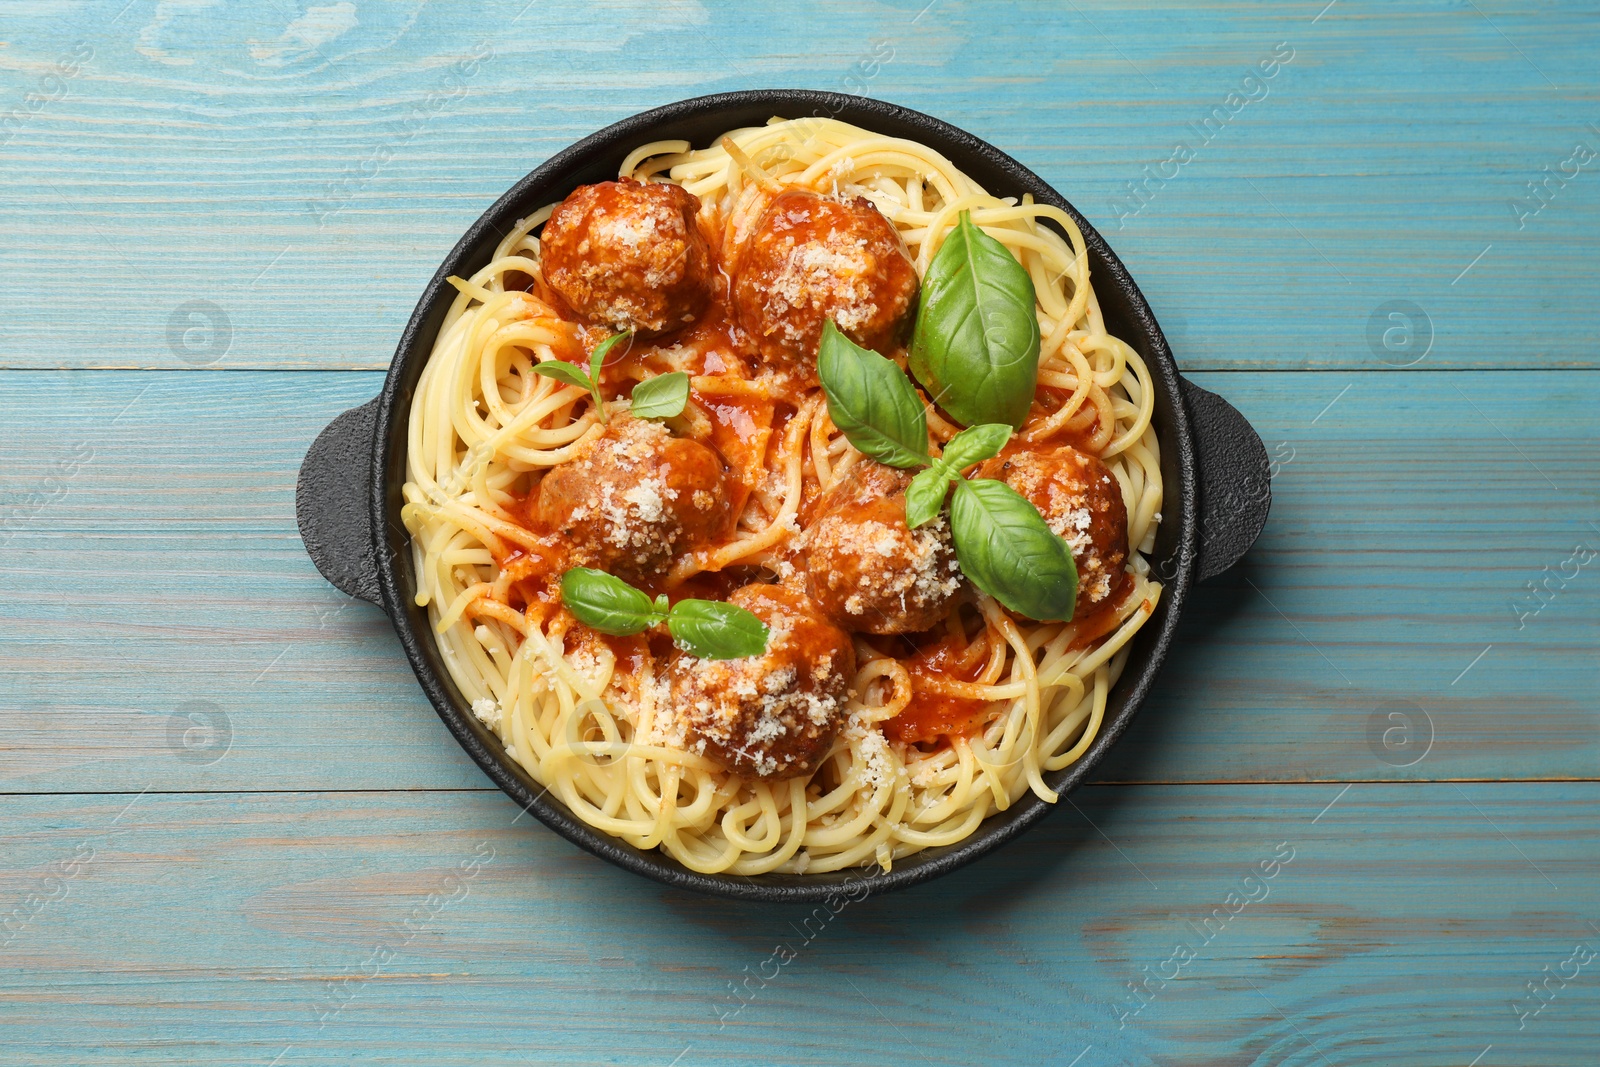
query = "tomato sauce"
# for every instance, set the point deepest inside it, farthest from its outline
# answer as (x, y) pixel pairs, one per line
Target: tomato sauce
(706, 585)
(931, 716)
(631, 652)
(1047, 401)
(534, 576)
(741, 430)
(1095, 624)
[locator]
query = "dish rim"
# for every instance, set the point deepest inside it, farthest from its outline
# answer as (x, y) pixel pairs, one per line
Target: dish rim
(1174, 557)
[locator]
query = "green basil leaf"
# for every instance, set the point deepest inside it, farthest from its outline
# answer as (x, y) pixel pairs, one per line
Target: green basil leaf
(925, 495)
(713, 629)
(974, 445)
(566, 372)
(562, 371)
(872, 401)
(661, 397)
(1004, 546)
(597, 358)
(606, 603)
(976, 344)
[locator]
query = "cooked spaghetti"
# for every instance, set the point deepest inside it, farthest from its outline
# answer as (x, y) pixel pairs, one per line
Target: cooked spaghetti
(953, 706)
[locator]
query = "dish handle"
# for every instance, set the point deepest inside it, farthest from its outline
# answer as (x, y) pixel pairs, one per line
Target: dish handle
(1235, 480)
(331, 503)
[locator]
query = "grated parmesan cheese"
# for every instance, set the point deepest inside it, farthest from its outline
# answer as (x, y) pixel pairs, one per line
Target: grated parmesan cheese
(488, 711)
(876, 764)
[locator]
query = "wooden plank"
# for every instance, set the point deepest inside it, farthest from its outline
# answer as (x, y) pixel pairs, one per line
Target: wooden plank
(165, 569)
(1401, 924)
(342, 158)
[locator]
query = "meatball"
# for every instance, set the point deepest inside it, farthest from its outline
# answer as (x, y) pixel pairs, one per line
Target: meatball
(633, 498)
(629, 256)
(865, 568)
(1081, 501)
(773, 715)
(810, 259)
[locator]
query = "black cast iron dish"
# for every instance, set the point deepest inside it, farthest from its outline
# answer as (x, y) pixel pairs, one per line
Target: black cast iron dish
(348, 497)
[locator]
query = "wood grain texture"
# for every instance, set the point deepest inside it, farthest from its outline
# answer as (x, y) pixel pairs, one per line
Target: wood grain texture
(213, 154)
(233, 831)
(167, 569)
(343, 928)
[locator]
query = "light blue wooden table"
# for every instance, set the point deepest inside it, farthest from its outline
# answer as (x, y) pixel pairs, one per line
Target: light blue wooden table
(233, 831)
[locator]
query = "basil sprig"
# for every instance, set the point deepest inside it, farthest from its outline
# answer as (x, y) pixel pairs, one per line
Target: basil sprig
(1004, 546)
(976, 344)
(709, 629)
(660, 397)
(925, 495)
(563, 371)
(872, 402)
(976, 351)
